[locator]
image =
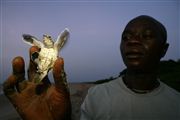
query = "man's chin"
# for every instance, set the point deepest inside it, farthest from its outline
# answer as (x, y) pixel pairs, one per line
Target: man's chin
(136, 66)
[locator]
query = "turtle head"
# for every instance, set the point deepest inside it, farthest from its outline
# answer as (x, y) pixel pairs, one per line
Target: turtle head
(47, 40)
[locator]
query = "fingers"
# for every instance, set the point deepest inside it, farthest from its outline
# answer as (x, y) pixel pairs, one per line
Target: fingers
(13, 80)
(58, 69)
(32, 65)
(59, 74)
(9, 87)
(18, 68)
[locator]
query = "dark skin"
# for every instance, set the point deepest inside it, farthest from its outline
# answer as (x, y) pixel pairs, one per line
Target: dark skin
(43, 101)
(143, 45)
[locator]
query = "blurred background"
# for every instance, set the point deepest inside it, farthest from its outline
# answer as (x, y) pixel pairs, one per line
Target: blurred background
(92, 52)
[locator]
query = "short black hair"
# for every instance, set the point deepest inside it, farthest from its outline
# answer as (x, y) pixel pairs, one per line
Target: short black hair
(160, 26)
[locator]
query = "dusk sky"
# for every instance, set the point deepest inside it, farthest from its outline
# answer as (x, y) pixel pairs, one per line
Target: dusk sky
(92, 52)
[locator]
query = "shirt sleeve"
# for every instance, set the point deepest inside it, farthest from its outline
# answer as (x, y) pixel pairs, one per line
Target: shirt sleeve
(86, 107)
(96, 105)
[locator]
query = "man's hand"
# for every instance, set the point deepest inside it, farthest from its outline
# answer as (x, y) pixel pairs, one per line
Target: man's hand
(42, 101)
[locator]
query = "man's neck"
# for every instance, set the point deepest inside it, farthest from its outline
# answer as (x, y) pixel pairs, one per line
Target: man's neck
(141, 80)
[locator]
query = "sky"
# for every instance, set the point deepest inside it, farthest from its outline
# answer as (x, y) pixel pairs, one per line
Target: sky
(92, 52)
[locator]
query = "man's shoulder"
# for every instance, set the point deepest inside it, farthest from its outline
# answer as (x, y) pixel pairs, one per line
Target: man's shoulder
(106, 88)
(99, 99)
(170, 91)
(102, 94)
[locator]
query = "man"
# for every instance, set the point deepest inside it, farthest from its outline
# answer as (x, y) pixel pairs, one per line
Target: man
(138, 94)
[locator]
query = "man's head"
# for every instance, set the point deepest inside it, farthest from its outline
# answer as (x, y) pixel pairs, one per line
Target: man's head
(143, 43)
(47, 40)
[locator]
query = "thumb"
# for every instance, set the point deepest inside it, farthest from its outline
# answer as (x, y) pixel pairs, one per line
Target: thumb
(59, 74)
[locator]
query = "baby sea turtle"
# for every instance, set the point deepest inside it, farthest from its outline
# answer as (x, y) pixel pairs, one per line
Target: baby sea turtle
(48, 53)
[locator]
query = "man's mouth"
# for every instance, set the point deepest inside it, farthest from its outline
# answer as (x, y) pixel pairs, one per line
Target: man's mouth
(134, 55)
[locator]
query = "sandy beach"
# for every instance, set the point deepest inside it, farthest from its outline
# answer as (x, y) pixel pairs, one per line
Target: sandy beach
(78, 92)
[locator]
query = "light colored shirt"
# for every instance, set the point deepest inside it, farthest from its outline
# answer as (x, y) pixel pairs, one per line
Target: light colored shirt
(114, 101)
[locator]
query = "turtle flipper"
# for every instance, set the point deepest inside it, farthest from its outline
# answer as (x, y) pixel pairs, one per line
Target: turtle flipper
(31, 40)
(62, 39)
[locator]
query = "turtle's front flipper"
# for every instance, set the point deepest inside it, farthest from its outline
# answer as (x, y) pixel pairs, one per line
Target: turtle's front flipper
(31, 40)
(62, 39)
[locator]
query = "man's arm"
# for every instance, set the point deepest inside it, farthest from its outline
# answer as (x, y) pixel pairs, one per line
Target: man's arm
(84, 110)
(97, 104)
(87, 107)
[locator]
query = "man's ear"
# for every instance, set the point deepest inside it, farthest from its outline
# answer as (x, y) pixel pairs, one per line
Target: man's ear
(164, 50)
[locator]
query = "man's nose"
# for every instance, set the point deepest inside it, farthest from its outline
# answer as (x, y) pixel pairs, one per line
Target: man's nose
(135, 40)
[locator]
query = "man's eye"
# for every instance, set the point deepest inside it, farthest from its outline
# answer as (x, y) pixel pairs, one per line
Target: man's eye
(147, 36)
(126, 37)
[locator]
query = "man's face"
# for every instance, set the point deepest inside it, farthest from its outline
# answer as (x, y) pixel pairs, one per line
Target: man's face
(141, 45)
